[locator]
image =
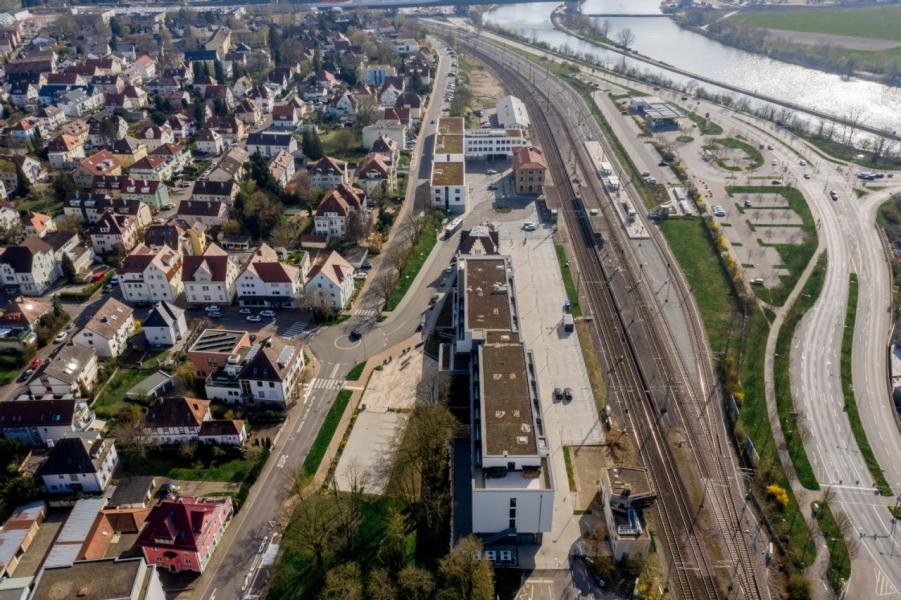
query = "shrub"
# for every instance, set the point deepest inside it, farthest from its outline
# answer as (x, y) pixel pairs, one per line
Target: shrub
(778, 493)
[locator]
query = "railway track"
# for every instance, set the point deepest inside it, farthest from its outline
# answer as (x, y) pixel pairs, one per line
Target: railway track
(650, 385)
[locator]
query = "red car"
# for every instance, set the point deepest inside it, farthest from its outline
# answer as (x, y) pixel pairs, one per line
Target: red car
(98, 275)
(35, 363)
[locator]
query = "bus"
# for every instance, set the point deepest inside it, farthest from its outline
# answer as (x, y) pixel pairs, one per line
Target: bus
(452, 227)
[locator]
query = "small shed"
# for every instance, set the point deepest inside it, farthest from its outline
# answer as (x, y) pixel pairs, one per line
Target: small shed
(153, 386)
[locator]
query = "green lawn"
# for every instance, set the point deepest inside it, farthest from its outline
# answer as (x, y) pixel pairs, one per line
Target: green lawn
(204, 464)
(839, 569)
(883, 22)
(296, 574)
(753, 154)
(844, 152)
(326, 433)
(112, 400)
(354, 374)
(696, 255)
(571, 292)
(568, 463)
(787, 413)
(331, 145)
(428, 237)
(860, 435)
(706, 126)
(794, 256)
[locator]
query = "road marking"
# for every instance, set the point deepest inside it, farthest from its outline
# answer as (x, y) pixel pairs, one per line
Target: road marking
(884, 587)
(335, 370)
(321, 383)
(282, 460)
(367, 312)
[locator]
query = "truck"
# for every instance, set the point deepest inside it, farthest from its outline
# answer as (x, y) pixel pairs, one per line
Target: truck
(569, 323)
(452, 227)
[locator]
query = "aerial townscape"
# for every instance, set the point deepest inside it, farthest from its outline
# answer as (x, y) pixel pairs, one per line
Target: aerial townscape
(427, 300)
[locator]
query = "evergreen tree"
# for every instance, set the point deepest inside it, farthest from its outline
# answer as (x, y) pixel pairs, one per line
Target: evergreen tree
(311, 144)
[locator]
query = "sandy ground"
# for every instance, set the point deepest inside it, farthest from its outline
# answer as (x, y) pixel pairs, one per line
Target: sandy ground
(394, 386)
(485, 88)
(844, 41)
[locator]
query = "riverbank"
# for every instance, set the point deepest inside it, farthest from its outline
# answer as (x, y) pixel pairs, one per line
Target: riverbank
(880, 66)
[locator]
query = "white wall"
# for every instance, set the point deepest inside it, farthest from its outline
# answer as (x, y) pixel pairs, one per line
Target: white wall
(491, 510)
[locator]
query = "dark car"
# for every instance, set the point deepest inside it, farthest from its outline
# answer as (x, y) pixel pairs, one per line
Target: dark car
(568, 394)
(25, 375)
(355, 334)
(558, 394)
(366, 266)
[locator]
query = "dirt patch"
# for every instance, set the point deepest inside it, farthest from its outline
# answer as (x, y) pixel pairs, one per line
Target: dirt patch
(395, 386)
(841, 41)
(588, 463)
(483, 85)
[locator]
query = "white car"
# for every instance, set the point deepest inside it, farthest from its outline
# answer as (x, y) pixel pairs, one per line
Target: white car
(269, 314)
(254, 318)
(245, 311)
(360, 275)
(60, 337)
(529, 226)
(212, 308)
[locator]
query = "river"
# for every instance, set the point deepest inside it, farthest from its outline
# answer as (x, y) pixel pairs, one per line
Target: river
(662, 39)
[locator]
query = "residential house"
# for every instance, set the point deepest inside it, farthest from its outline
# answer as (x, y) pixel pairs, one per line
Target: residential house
(219, 94)
(331, 284)
(389, 94)
(209, 141)
(23, 93)
(270, 143)
(130, 98)
(165, 325)
(51, 118)
(22, 316)
(267, 373)
(153, 168)
(264, 98)
(209, 213)
(39, 423)
(23, 131)
(328, 172)
(154, 136)
(79, 464)
(146, 275)
(223, 432)
(182, 534)
(99, 163)
(286, 116)
(177, 156)
(242, 86)
(410, 100)
(231, 128)
(128, 151)
(73, 370)
(281, 167)
(387, 147)
(39, 224)
(80, 101)
(182, 126)
(231, 167)
(389, 128)
(213, 348)
(267, 281)
(153, 194)
(190, 240)
(210, 278)
(376, 75)
(108, 330)
(175, 420)
(91, 207)
(105, 129)
(144, 67)
(376, 177)
(249, 113)
(112, 230)
(77, 128)
(335, 208)
(205, 190)
(29, 268)
(64, 152)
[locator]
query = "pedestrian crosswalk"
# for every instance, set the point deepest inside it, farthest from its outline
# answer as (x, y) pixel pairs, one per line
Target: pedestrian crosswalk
(323, 383)
(295, 329)
(367, 312)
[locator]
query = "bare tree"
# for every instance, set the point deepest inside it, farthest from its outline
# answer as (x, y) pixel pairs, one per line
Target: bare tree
(384, 284)
(433, 387)
(316, 523)
(367, 109)
(625, 38)
(357, 225)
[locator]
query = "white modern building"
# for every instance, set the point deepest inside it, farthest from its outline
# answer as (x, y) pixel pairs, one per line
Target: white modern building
(493, 143)
(448, 184)
(511, 484)
(512, 114)
(210, 278)
(165, 325)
